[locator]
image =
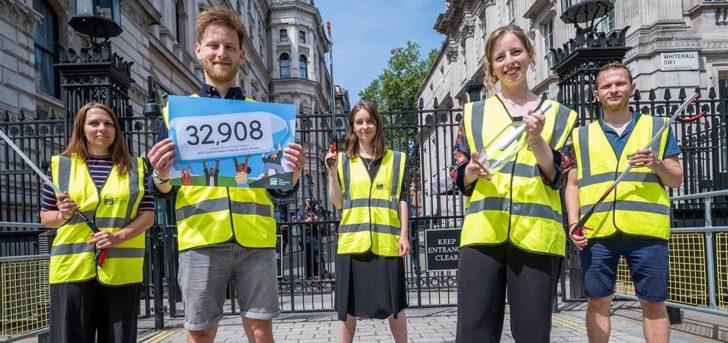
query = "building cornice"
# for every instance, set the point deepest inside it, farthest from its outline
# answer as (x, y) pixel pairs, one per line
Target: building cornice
(298, 6)
(17, 12)
(448, 20)
(141, 13)
(538, 7)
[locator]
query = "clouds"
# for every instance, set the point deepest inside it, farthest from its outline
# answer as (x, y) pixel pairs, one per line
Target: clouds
(364, 33)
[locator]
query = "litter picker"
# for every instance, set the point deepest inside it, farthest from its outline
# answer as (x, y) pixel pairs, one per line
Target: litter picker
(100, 255)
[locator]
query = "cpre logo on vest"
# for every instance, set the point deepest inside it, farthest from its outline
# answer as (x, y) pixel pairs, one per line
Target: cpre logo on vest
(114, 201)
(380, 186)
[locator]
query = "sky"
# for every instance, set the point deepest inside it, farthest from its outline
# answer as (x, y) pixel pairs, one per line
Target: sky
(365, 31)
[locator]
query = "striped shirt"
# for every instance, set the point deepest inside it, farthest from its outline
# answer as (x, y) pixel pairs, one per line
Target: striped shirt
(99, 167)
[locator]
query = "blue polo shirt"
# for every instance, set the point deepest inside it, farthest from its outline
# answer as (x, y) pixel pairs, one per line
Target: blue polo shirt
(619, 142)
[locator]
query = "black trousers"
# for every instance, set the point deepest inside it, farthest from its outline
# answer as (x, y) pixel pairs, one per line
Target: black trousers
(486, 274)
(90, 312)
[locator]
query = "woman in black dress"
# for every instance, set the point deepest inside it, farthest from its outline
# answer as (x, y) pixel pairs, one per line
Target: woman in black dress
(366, 183)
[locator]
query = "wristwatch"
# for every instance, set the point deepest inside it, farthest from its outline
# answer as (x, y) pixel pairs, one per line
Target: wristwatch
(158, 179)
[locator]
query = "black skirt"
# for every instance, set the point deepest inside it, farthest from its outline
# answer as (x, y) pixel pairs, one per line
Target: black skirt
(370, 286)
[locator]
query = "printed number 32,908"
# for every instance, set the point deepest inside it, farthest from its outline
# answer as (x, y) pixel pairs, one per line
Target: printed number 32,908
(224, 131)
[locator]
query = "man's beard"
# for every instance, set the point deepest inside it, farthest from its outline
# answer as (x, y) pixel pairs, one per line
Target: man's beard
(220, 76)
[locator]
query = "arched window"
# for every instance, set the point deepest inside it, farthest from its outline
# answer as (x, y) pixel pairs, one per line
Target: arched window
(285, 63)
(303, 66)
(46, 39)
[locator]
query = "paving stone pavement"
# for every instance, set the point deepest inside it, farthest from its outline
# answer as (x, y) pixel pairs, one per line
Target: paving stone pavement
(424, 325)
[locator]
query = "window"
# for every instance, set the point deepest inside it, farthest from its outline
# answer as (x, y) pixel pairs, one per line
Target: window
(285, 65)
(610, 22)
(509, 6)
(548, 38)
(46, 39)
(283, 36)
(722, 90)
(302, 37)
(303, 66)
(179, 22)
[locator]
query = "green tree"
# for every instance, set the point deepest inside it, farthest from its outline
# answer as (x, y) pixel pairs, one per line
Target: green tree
(400, 81)
(396, 85)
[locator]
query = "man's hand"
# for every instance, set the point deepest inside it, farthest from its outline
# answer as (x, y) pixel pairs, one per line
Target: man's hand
(644, 158)
(578, 236)
(295, 159)
(162, 157)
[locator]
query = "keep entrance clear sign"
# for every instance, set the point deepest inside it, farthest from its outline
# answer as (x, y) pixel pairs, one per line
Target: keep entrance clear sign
(442, 249)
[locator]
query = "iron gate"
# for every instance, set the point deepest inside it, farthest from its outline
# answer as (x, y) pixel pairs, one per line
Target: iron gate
(307, 249)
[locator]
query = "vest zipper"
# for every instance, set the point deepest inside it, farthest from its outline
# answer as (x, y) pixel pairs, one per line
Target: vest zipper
(232, 223)
(98, 196)
(369, 202)
(510, 200)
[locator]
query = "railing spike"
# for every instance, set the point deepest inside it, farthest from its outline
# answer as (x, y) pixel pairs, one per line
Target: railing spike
(421, 104)
(711, 93)
(652, 96)
(667, 95)
(637, 95)
(682, 95)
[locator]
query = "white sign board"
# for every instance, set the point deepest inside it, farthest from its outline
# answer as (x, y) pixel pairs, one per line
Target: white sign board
(687, 60)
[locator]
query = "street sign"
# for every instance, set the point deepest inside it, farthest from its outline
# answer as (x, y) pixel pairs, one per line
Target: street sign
(442, 249)
(687, 60)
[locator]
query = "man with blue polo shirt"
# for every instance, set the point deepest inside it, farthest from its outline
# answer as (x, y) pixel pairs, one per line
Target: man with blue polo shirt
(634, 221)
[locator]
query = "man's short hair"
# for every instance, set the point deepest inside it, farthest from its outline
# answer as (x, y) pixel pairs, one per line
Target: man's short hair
(219, 15)
(612, 65)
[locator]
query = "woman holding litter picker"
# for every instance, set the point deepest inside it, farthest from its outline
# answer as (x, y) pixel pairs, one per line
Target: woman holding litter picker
(512, 239)
(96, 300)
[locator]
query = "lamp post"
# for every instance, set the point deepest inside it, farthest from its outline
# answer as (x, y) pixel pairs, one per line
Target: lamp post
(96, 18)
(474, 87)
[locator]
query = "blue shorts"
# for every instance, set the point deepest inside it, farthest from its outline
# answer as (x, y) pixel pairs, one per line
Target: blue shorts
(647, 258)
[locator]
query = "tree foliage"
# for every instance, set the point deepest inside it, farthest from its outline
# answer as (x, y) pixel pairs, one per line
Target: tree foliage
(400, 81)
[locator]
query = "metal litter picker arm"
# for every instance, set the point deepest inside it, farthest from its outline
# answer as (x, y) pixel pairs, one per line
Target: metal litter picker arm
(100, 254)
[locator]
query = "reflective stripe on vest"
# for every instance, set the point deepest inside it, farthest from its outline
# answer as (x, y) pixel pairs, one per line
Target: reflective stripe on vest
(370, 217)
(111, 208)
(640, 204)
(213, 215)
(515, 204)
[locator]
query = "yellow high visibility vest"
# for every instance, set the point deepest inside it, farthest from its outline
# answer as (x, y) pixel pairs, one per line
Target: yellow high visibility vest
(515, 204)
(370, 216)
(640, 204)
(112, 208)
(213, 215)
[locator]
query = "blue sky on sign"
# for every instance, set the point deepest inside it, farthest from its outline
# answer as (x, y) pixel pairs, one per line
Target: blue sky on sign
(364, 33)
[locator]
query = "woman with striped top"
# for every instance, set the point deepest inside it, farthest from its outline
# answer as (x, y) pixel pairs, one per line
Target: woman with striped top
(100, 179)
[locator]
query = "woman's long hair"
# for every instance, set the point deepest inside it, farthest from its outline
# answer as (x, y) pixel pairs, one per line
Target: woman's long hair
(351, 143)
(78, 144)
